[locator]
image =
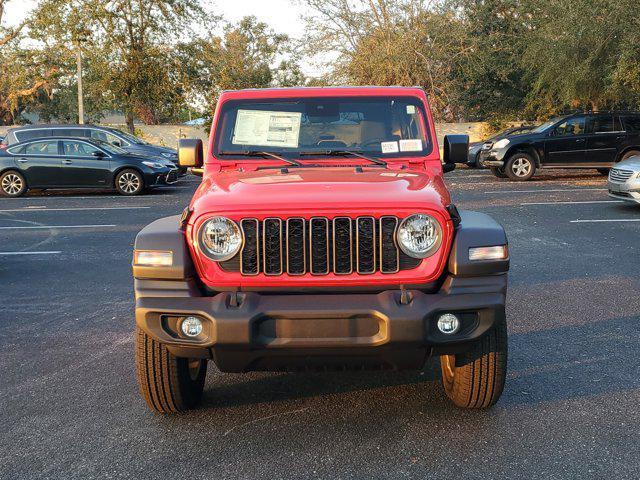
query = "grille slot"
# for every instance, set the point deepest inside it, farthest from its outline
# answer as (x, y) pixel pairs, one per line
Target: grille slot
(272, 246)
(320, 246)
(296, 246)
(319, 235)
(620, 175)
(342, 246)
(365, 245)
(389, 252)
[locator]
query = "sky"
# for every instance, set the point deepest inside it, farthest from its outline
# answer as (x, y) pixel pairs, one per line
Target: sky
(282, 15)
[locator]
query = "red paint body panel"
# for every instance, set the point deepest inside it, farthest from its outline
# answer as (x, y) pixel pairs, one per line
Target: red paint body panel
(237, 190)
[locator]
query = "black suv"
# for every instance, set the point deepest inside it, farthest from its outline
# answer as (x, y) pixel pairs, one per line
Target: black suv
(127, 142)
(585, 140)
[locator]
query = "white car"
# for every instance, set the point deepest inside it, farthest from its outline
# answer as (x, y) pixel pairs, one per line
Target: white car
(624, 180)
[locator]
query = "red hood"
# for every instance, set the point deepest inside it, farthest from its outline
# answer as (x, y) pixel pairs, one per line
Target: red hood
(330, 188)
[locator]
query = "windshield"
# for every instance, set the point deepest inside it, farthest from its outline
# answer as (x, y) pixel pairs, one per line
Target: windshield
(546, 125)
(108, 147)
(131, 138)
(380, 126)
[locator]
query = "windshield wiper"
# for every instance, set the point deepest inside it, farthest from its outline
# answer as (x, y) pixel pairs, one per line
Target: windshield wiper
(344, 153)
(258, 153)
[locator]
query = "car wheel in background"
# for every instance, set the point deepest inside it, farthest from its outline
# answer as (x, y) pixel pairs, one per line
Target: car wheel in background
(498, 172)
(603, 171)
(520, 167)
(168, 383)
(12, 184)
(475, 378)
(129, 182)
(629, 154)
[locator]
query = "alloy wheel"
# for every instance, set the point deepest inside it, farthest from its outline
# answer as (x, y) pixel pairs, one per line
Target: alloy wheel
(521, 167)
(12, 184)
(129, 182)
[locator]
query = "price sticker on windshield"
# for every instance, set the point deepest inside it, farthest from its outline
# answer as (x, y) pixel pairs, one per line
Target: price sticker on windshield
(389, 147)
(411, 145)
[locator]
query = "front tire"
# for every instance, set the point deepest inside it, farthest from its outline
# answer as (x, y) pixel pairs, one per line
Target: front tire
(168, 383)
(129, 182)
(520, 167)
(475, 378)
(12, 184)
(629, 154)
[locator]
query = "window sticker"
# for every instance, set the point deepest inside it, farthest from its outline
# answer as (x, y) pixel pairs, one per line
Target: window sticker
(411, 145)
(389, 147)
(411, 109)
(271, 129)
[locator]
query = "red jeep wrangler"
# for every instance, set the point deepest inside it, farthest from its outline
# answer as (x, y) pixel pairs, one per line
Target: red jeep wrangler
(321, 237)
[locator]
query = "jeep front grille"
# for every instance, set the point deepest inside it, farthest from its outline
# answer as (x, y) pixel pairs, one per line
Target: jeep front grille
(320, 246)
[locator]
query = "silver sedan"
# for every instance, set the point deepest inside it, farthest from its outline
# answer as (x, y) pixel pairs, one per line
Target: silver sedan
(624, 180)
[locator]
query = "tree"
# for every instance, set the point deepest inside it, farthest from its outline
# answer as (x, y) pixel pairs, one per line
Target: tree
(130, 45)
(385, 42)
(247, 55)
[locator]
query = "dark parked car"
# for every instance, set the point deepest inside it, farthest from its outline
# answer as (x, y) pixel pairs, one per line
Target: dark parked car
(127, 142)
(586, 140)
(476, 147)
(59, 162)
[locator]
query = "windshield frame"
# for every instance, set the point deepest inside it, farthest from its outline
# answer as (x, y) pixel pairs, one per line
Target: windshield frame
(108, 147)
(216, 145)
(546, 126)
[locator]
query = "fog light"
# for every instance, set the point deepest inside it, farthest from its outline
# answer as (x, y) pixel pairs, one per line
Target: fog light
(191, 326)
(448, 323)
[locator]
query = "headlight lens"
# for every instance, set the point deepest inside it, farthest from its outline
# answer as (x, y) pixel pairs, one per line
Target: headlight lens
(220, 239)
(419, 236)
(501, 143)
(153, 164)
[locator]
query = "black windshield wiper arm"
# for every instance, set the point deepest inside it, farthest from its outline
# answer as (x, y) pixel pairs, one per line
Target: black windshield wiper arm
(343, 153)
(258, 153)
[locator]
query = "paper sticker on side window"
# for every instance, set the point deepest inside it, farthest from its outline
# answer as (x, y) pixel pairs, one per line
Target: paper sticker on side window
(266, 128)
(411, 145)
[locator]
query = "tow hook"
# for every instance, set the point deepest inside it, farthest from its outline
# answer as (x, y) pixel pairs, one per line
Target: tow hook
(236, 299)
(405, 296)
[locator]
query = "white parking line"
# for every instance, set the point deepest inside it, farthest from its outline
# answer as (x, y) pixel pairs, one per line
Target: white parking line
(41, 227)
(45, 209)
(572, 203)
(607, 220)
(548, 190)
(30, 253)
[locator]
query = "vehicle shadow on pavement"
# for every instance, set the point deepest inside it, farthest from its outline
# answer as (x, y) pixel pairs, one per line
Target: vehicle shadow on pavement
(571, 362)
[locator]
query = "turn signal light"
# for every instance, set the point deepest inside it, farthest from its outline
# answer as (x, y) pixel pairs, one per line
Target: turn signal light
(498, 252)
(152, 258)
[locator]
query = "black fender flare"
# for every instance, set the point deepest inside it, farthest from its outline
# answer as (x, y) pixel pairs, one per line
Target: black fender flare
(476, 230)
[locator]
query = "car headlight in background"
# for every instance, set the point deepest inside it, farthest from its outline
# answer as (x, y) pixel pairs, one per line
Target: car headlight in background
(419, 235)
(220, 238)
(154, 164)
(501, 143)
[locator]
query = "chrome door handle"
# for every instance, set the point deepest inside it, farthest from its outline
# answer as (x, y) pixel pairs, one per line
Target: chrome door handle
(23, 160)
(67, 162)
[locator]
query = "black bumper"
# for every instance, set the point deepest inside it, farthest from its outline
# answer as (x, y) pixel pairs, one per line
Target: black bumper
(253, 331)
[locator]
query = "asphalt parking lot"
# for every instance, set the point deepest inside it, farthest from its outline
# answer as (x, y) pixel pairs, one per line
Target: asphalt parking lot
(69, 406)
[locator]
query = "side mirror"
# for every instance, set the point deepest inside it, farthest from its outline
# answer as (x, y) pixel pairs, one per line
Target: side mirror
(190, 152)
(456, 150)
(98, 154)
(117, 143)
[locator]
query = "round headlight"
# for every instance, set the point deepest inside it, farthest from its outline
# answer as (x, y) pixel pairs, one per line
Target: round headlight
(419, 236)
(220, 239)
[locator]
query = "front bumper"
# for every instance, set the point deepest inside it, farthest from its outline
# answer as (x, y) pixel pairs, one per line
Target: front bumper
(253, 331)
(162, 177)
(492, 158)
(628, 191)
